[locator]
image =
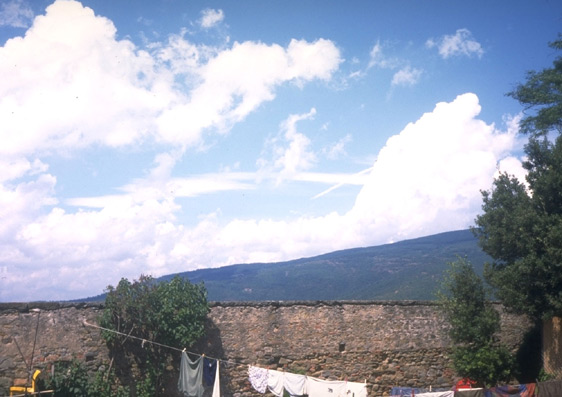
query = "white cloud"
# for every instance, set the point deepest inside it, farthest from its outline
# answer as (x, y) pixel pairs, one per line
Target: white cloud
(84, 87)
(238, 80)
(378, 59)
(180, 56)
(15, 13)
(359, 178)
(426, 180)
(81, 85)
(337, 149)
(461, 43)
(87, 89)
(290, 151)
(333, 178)
(407, 76)
(17, 167)
(211, 17)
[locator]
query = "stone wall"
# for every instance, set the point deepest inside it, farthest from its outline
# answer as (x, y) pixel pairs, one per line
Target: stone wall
(552, 349)
(383, 343)
(61, 335)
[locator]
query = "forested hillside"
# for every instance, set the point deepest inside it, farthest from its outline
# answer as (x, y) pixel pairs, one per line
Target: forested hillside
(405, 270)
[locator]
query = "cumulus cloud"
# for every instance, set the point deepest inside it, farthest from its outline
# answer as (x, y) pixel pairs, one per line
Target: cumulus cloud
(426, 180)
(461, 43)
(81, 85)
(430, 174)
(85, 87)
(15, 13)
(211, 17)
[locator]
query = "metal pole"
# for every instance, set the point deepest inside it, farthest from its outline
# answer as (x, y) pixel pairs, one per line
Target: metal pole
(38, 311)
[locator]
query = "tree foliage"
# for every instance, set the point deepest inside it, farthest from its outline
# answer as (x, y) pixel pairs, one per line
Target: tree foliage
(542, 93)
(521, 224)
(71, 379)
(168, 313)
(476, 352)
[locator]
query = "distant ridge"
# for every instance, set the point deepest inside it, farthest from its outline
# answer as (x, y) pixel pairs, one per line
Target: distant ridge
(406, 270)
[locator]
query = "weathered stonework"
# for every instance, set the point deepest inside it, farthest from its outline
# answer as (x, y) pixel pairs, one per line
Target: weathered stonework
(383, 343)
(552, 349)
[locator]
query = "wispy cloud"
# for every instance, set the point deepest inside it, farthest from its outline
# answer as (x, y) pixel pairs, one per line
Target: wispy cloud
(378, 59)
(406, 76)
(289, 152)
(406, 193)
(164, 101)
(360, 179)
(168, 96)
(461, 43)
(211, 17)
(15, 13)
(337, 149)
(145, 190)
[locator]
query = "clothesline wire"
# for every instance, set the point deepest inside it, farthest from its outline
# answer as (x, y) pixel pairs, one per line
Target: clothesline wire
(163, 345)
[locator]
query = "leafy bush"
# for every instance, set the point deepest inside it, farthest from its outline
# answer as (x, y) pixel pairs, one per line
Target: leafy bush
(169, 313)
(71, 379)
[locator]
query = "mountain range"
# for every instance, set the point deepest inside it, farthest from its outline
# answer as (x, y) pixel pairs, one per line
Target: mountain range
(406, 270)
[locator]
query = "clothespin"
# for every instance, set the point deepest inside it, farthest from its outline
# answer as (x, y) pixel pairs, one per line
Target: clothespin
(142, 344)
(183, 351)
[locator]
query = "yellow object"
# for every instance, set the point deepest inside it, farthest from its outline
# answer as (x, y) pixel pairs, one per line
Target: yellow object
(16, 390)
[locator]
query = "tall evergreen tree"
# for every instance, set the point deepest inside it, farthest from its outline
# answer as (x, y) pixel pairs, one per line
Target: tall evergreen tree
(477, 353)
(521, 224)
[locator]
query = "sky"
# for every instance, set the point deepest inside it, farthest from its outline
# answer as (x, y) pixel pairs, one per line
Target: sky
(162, 136)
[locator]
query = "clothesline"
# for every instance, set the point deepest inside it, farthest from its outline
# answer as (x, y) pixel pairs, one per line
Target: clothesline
(159, 344)
(166, 346)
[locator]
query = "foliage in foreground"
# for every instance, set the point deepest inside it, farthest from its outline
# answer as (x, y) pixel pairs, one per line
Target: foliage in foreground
(521, 224)
(477, 354)
(169, 313)
(72, 380)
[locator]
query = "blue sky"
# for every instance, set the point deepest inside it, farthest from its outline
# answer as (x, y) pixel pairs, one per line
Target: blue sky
(155, 137)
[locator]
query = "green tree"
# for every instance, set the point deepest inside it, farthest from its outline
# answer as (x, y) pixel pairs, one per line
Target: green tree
(521, 224)
(476, 353)
(71, 379)
(542, 93)
(168, 313)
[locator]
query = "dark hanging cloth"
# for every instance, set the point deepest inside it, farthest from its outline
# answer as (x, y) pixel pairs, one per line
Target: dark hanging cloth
(525, 390)
(209, 371)
(190, 382)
